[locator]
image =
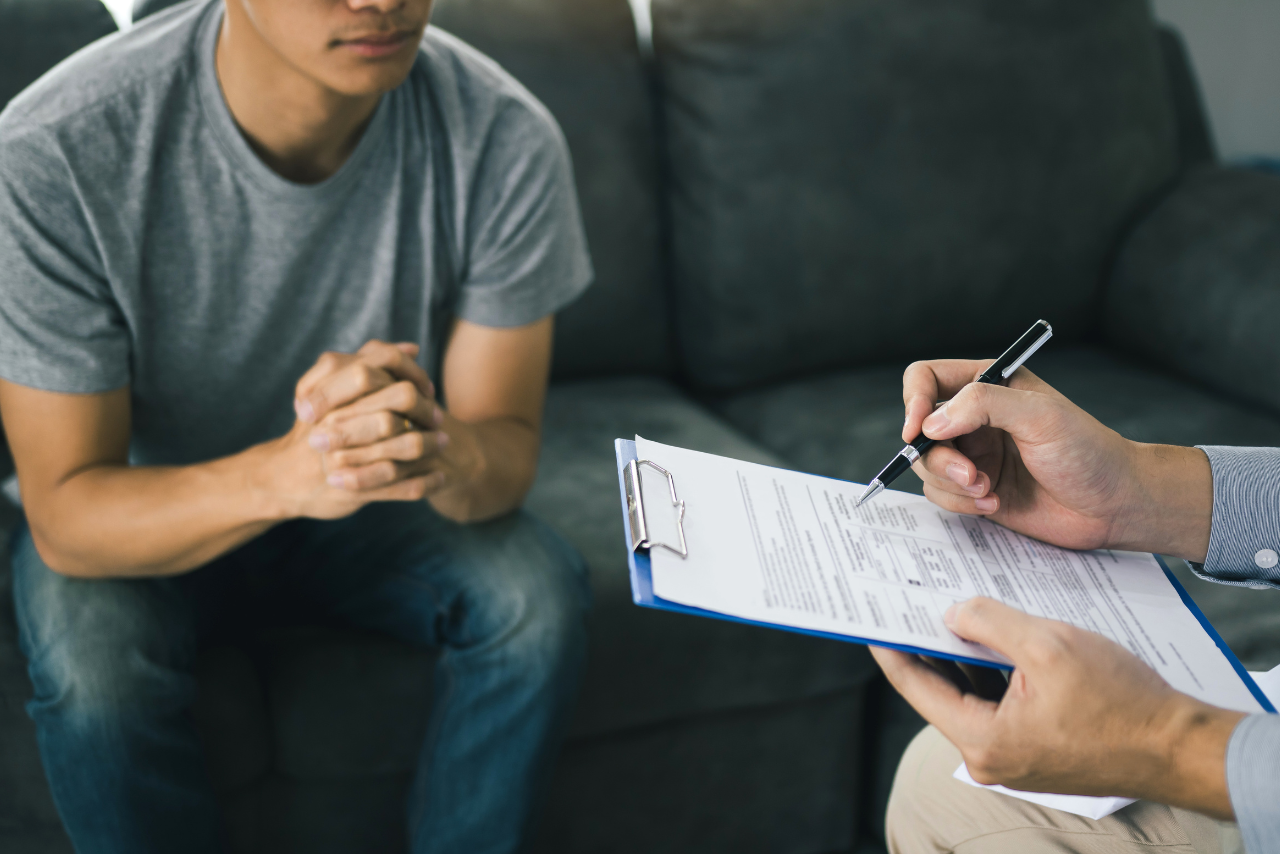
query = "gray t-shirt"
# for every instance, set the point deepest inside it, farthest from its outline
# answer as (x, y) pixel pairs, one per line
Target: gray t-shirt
(142, 242)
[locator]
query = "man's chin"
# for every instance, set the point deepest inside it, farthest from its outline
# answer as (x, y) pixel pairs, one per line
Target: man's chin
(361, 79)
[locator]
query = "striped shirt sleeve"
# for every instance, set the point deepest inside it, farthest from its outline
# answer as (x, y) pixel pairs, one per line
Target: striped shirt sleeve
(1244, 549)
(1244, 541)
(1253, 758)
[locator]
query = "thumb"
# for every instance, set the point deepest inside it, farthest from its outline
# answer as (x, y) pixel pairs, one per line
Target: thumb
(1025, 415)
(996, 626)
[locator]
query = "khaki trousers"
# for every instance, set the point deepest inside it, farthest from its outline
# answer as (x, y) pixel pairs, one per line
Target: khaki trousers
(930, 811)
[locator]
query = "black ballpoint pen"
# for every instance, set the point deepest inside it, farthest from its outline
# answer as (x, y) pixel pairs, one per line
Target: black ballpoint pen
(1001, 369)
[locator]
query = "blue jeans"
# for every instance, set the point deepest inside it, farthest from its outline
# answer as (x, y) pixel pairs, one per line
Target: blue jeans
(111, 663)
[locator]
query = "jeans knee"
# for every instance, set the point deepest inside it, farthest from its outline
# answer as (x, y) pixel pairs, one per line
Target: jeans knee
(534, 594)
(98, 649)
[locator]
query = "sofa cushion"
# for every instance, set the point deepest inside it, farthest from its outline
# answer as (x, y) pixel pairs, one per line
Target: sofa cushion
(837, 167)
(776, 780)
(580, 58)
(847, 425)
(649, 666)
(346, 705)
(36, 35)
(1197, 284)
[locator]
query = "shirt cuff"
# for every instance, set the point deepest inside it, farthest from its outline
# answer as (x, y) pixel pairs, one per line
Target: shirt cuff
(1244, 540)
(1253, 759)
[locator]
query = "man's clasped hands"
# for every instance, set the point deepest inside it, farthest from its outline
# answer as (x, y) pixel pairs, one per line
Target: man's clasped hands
(369, 429)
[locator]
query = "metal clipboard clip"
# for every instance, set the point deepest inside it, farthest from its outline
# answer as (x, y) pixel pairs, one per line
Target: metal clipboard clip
(635, 508)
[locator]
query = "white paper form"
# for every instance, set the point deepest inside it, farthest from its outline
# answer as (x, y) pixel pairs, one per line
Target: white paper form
(787, 548)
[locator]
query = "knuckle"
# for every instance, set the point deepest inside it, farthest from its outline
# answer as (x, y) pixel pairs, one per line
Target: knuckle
(1047, 649)
(982, 763)
(416, 443)
(329, 359)
(404, 394)
(417, 488)
(364, 378)
(385, 423)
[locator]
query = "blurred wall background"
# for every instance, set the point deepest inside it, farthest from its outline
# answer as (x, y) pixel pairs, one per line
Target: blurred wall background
(1233, 45)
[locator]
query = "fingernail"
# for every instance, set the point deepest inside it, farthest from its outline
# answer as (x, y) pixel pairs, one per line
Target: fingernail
(986, 505)
(442, 439)
(319, 441)
(959, 474)
(949, 615)
(337, 481)
(304, 410)
(437, 417)
(937, 421)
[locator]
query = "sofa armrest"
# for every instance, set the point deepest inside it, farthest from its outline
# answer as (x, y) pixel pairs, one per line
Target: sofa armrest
(1196, 286)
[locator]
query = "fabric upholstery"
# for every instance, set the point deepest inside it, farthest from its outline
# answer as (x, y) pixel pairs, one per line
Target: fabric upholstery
(64, 26)
(580, 58)
(647, 666)
(1196, 286)
(836, 167)
(143, 8)
(848, 425)
(780, 779)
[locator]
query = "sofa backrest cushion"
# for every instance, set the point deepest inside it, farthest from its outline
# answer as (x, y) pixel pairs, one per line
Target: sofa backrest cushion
(36, 35)
(581, 59)
(859, 180)
(1197, 285)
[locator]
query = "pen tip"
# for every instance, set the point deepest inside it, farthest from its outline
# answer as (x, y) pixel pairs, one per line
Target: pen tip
(872, 490)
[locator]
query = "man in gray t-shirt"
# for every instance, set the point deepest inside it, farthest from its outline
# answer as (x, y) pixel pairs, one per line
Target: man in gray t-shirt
(237, 245)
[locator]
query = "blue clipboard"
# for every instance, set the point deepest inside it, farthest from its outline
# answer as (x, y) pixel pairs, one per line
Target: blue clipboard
(642, 594)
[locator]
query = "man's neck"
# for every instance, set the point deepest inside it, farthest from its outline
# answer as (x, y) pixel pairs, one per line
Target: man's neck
(301, 129)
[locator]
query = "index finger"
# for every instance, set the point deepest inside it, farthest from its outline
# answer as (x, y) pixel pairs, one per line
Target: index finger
(1016, 635)
(958, 715)
(396, 359)
(400, 361)
(926, 383)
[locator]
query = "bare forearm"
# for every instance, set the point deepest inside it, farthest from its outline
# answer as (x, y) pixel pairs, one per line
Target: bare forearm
(502, 471)
(1191, 745)
(120, 521)
(1174, 511)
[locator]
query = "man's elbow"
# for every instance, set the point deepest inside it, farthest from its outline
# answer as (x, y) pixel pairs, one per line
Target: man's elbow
(60, 560)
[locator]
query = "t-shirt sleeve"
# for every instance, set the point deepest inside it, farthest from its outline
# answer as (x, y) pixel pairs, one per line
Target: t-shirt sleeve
(526, 249)
(60, 327)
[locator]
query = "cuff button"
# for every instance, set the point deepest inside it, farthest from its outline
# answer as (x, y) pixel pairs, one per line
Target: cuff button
(1266, 558)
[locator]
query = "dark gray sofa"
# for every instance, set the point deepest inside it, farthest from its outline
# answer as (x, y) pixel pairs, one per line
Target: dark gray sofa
(786, 203)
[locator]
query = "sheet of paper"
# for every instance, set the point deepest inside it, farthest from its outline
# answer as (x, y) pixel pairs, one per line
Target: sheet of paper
(791, 549)
(1096, 808)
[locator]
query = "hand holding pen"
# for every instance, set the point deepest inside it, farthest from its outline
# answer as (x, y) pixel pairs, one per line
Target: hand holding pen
(998, 371)
(1050, 470)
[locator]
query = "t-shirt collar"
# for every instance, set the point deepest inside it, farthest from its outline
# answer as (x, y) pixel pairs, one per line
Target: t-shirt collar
(232, 140)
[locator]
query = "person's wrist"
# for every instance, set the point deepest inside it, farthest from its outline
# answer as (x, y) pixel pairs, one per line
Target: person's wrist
(1172, 509)
(1187, 752)
(263, 468)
